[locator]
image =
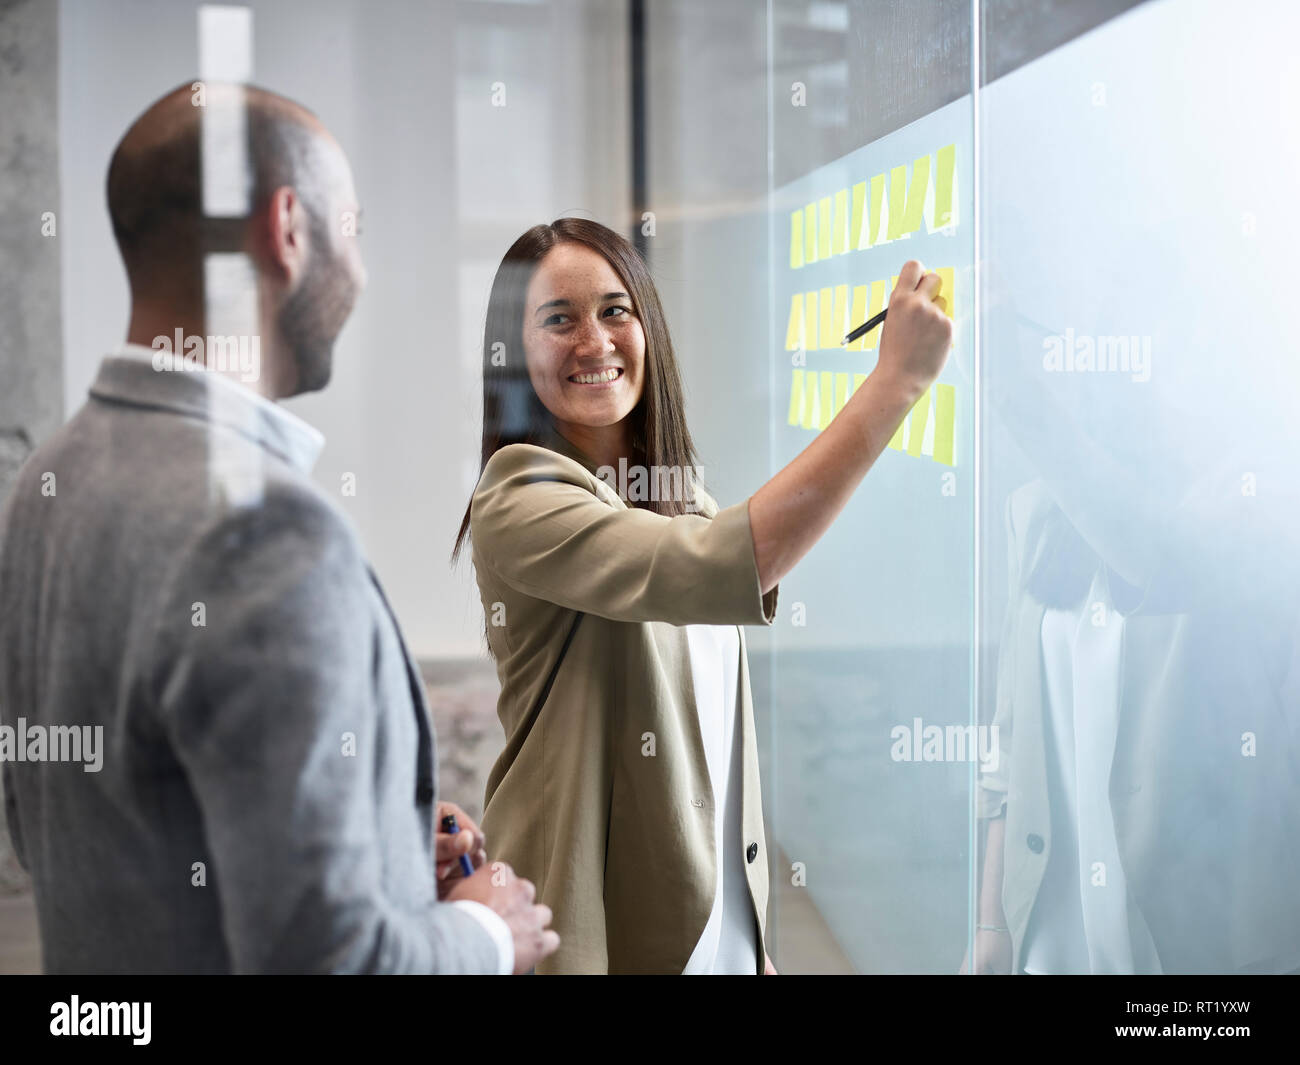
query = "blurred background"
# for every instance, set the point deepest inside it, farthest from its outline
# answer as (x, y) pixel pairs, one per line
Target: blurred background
(1119, 171)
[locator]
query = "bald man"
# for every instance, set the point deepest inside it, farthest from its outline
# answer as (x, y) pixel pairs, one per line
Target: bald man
(216, 747)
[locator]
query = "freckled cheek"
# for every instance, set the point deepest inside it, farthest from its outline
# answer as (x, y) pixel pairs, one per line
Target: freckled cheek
(556, 358)
(636, 376)
(543, 363)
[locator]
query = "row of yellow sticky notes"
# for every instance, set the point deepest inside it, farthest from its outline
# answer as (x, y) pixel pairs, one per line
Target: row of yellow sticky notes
(846, 221)
(822, 318)
(816, 397)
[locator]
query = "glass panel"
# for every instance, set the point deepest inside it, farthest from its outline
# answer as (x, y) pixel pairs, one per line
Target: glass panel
(873, 738)
(1139, 512)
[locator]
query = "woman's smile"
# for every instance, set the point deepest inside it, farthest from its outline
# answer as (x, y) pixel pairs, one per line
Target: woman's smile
(597, 379)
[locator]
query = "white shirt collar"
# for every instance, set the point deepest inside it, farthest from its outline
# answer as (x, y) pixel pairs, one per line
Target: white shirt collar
(274, 411)
(300, 442)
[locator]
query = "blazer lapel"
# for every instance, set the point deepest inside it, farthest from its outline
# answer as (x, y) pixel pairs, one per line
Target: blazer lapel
(426, 775)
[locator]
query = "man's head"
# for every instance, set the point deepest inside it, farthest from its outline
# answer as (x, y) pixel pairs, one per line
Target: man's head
(299, 233)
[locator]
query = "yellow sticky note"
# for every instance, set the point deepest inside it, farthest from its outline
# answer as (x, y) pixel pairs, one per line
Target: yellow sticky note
(824, 228)
(810, 233)
(794, 331)
(897, 201)
(877, 305)
(841, 391)
(810, 320)
(945, 406)
(907, 198)
(858, 235)
(796, 239)
(839, 222)
(826, 398)
(917, 190)
(796, 398)
(948, 292)
(857, 316)
(945, 160)
(808, 418)
(878, 207)
(826, 336)
(916, 424)
(840, 316)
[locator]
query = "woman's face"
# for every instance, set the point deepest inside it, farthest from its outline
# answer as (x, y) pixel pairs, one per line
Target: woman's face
(583, 341)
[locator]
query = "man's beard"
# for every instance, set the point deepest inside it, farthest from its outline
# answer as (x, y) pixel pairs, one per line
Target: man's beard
(312, 316)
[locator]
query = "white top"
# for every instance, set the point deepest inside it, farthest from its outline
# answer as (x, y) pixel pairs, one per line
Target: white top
(1082, 921)
(729, 942)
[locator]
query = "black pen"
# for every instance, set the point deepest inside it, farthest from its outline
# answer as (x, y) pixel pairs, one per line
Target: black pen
(867, 326)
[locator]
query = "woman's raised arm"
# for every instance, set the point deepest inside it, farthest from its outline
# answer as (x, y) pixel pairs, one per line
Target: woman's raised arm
(791, 511)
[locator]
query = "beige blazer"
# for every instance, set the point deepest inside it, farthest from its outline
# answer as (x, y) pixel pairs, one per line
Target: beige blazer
(602, 796)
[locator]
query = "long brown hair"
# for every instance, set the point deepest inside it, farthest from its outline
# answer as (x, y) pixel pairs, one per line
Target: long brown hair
(512, 412)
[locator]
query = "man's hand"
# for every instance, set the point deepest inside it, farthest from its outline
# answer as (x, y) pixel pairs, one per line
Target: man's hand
(448, 848)
(497, 887)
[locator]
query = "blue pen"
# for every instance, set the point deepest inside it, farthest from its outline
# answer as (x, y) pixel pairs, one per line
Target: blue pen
(450, 827)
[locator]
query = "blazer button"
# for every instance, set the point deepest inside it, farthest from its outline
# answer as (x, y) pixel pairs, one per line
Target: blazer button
(424, 794)
(697, 802)
(1035, 843)
(751, 853)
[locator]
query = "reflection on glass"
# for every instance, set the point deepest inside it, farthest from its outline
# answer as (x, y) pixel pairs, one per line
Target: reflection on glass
(1137, 379)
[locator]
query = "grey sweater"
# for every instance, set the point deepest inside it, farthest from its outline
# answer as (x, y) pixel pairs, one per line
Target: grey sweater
(170, 576)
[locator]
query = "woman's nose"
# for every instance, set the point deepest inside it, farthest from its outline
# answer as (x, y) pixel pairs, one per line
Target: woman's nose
(594, 337)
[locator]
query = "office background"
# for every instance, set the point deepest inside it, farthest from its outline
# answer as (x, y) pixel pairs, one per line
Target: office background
(672, 121)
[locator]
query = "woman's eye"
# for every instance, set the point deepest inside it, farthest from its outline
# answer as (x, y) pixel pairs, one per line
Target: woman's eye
(561, 319)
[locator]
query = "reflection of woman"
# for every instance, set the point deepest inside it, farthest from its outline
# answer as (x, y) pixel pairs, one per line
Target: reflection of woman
(628, 788)
(1136, 821)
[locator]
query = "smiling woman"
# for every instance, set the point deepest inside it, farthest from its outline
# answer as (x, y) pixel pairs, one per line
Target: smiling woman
(585, 355)
(628, 788)
(590, 306)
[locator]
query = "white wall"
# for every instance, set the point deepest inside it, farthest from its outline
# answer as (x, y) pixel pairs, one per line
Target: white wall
(446, 182)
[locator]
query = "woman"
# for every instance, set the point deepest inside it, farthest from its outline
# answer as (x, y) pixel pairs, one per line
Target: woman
(628, 788)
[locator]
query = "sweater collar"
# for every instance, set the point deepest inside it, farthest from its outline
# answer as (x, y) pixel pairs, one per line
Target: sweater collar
(129, 376)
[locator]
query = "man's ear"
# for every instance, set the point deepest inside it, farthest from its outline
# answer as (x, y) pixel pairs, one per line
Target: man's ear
(284, 229)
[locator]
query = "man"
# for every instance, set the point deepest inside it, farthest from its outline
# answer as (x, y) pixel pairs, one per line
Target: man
(252, 784)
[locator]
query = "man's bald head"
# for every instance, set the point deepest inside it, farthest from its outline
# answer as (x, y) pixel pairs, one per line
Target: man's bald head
(155, 178)
(293, 192)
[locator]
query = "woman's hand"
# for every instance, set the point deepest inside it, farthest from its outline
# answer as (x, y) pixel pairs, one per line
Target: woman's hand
(917, 335)
(768, 968)
(992, 954)
(993, 945)
(448, 848)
